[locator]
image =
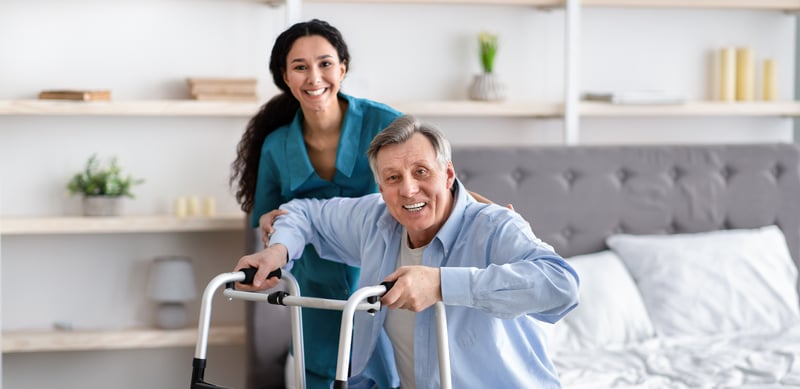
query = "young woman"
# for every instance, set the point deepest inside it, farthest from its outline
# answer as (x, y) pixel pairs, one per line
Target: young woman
(310, 141)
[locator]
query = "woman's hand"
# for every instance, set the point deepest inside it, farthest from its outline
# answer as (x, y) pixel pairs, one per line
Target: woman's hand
(265, 224)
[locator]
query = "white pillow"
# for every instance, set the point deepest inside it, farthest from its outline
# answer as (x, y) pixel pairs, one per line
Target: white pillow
(610, 311)
(714, 282)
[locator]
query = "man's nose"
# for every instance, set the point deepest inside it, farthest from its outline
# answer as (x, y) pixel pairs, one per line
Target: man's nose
(409, 187)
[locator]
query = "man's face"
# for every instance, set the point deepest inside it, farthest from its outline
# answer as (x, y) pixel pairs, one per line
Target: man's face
(415, 187)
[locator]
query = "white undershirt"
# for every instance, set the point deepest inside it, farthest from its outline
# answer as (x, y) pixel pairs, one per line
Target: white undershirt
(400, 322)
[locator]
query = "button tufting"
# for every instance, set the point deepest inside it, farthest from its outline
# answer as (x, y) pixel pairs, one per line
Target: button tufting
(569, 175)
(567, 232)
(622, 175)
(463, 176)
(619, 229)
(517, 175)
(674, 173)
(776, 171)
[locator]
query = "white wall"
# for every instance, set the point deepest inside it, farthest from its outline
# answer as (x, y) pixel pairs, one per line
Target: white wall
(145, 49)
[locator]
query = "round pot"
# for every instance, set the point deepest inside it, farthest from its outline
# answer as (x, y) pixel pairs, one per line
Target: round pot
(102, 205)
(486, 87)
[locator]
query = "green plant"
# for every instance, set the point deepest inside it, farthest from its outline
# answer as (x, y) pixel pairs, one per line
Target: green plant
(102, 179)
(488, 49)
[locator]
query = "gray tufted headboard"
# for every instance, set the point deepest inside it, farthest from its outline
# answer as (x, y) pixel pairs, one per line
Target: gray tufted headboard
(574, 197)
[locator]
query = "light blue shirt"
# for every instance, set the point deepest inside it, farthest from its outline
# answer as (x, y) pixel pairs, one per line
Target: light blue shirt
(497, 280)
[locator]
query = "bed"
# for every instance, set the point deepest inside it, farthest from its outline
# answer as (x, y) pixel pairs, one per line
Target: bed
(687, 255)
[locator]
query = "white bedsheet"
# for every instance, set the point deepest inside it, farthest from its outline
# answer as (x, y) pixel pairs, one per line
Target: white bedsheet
(747, 360)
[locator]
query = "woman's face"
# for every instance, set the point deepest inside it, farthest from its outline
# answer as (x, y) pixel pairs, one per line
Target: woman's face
(314, 73)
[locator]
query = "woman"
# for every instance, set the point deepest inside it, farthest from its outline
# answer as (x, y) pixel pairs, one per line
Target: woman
(310, 141)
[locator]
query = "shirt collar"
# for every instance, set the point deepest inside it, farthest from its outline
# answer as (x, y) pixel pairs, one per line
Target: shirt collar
(352, 127)
(347, 151)
(300, 168)
(448, 234)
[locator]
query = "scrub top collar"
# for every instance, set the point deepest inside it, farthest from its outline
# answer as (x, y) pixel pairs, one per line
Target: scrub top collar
(347, 151)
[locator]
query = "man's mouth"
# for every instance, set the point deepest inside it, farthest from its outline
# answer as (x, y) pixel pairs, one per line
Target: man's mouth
(416, 207)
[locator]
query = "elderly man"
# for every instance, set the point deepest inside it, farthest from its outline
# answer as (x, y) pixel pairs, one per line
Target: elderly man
(425, 232)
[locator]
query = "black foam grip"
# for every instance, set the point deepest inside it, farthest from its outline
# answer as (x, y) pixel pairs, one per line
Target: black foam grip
(387, 284)
(250, 273)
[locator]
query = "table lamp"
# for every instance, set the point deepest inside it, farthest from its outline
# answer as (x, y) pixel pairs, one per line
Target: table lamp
(171, 285)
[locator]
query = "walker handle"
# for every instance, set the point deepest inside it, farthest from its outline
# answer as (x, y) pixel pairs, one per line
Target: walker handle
(387, 284)
(250, 273)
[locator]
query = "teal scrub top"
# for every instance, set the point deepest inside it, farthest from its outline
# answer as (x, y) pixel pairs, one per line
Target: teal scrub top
(285, 173)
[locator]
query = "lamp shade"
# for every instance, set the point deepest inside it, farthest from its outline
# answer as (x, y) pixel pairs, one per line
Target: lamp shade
(171, 279)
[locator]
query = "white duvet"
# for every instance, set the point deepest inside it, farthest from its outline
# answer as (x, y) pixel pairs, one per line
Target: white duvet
(748, 360)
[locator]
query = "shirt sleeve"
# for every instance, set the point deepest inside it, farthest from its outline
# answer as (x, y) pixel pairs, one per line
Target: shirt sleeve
(334, 227)
(523, 276)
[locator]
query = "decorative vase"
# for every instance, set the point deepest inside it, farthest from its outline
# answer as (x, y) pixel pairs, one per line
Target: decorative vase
(102, 205)
(487, 87)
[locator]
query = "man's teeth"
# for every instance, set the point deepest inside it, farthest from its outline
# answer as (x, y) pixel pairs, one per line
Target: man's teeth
(316, 92)
(414, 207)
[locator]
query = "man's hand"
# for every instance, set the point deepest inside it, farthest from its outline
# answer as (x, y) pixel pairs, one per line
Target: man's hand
(416, 288)
(266, 261)
(265, 223)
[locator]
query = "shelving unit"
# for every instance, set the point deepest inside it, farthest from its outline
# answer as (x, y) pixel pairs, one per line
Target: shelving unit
(41, 341)
(779, 5)
(123, 224)
(455, 108)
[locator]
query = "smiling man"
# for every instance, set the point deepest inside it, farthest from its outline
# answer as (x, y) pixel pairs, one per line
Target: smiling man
(428, 234)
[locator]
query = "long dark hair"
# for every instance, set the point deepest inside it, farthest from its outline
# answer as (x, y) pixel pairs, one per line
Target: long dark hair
(279, 110)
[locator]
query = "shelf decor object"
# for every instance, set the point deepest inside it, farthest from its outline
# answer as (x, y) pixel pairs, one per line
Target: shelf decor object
(171, 284)
(103, 186)
(486, 86)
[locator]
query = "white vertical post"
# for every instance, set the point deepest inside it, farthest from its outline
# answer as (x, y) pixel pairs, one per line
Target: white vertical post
(572, 32)
(294, 11)
(796, 94)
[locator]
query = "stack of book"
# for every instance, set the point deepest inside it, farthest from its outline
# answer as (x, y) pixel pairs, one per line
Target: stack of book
(240, 89)
(72, 94)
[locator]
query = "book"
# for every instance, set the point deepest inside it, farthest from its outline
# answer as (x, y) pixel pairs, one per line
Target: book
(72, 94)
(635, 97)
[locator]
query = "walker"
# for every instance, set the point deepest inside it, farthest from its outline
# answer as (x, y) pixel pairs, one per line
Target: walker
(364, 299)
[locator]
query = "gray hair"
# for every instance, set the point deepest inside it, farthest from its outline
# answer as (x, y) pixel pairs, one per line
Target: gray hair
(401, 130)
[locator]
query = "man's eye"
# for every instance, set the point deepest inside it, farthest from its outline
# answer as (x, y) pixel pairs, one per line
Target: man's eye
(391, 178)
(422, 171)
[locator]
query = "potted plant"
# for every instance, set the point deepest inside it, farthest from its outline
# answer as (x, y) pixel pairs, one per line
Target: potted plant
(486, 86)
(103, 186)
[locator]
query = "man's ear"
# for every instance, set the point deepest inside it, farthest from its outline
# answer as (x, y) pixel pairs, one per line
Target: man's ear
(451, 174)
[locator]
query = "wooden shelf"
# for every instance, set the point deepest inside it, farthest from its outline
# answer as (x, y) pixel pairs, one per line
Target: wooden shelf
(122, 224)
(38, 341)
(774, 5)
(455, 108)
(129, 108)
(481, 109)
(694, 108)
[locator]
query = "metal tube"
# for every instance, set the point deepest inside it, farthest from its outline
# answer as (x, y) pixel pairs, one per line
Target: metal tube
(205, 309)
(297, 332)
(346, 330)
(445, 378)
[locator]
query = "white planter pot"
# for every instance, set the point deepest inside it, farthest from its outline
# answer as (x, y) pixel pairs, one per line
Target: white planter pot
(486, 87)
(102, 205)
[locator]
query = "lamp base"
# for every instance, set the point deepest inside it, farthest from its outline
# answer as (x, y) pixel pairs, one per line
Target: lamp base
(171, 316)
